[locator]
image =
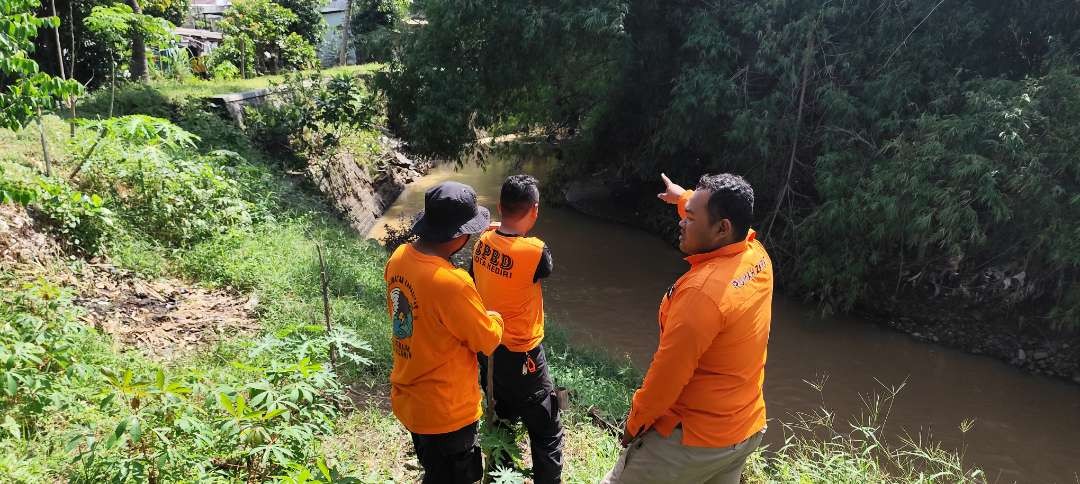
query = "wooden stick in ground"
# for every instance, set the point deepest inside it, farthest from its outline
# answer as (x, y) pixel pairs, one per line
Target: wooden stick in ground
(44, 144)
(490, 389)
(326, 307)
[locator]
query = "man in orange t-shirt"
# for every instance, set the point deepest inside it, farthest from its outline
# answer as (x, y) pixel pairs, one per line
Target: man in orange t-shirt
(700, 411)
(439, 325)
(508, 267)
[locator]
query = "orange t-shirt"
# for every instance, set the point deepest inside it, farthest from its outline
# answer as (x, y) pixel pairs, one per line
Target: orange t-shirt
(504, 267)
(439, 324)
(708, 370)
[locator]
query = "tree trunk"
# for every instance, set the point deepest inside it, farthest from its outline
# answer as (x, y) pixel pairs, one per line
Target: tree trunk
(71, 28)
(44, 144)
(343, 55)
(56, 38)
(140, 70)
(112, 88)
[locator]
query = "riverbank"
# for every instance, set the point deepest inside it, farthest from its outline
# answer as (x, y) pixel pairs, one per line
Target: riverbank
(247, 391)
(1013, 338)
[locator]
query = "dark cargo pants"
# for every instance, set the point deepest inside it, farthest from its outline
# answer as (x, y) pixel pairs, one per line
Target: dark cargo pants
(524, 392)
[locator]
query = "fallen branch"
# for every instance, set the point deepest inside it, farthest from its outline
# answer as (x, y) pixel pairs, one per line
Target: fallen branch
(89, 153)
(807, 57)
(599, 421)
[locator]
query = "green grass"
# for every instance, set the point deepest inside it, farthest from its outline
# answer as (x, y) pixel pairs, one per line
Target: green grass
(174, 90)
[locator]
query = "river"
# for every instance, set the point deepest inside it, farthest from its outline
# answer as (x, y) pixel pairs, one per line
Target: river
(607, 283)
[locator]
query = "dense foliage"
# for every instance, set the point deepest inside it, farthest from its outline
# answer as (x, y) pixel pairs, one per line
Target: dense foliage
(24, 90)
(375, 28)
(258, 39)
(313, 115)
(309, 23)
(478, 64)
(917, 148)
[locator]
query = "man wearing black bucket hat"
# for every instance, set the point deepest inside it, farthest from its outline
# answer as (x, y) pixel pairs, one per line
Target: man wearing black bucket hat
(439, 324)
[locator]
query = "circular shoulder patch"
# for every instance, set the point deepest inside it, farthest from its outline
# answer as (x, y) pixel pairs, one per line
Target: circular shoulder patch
(403, 316)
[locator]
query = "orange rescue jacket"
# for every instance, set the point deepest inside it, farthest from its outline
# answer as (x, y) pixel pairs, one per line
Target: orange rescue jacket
(439, 324)
(504, 267)
(708, 370)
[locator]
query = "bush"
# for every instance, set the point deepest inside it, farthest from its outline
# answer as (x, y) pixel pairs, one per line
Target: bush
(310, 113)
(236, 50)
(39, 336)
(297, 53)
(257, 36)
(374, 28)
(165, 188)
(82, 221)
(225, 71)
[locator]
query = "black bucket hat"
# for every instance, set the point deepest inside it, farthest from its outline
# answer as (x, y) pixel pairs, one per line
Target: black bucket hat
(450, 211)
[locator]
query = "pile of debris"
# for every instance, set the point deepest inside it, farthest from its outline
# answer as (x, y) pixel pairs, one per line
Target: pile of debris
(164, 318)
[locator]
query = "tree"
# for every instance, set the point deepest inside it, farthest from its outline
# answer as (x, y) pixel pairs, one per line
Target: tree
(914, 148)
(489, 62)
(309, 21)
(25, 91)
(139, 68)
(261, 28)
(373, 25)
(172, 10)
(118, 25)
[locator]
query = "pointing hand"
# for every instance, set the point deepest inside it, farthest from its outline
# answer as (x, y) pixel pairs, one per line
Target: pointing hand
(672, 191)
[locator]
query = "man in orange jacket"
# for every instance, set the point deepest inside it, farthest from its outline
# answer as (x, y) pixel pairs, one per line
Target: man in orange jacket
(700, 411)
(439, 325)
(508, 266)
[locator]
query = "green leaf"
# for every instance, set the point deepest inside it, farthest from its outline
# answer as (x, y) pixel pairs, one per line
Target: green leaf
(135, 429)
(12, 427)
(226, 403)
(10, 384)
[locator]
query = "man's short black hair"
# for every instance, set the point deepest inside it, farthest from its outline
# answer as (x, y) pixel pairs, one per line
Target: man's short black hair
(519, 194)
(731, 198)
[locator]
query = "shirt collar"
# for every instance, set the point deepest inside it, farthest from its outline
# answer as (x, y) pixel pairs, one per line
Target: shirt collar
(727, 250)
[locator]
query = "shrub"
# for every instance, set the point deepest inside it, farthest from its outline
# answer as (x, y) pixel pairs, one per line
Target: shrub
(257, 31)
(225, 71)
(237, 50)
(82, 220)
(310, 113)
(164, 187)
(297, 53)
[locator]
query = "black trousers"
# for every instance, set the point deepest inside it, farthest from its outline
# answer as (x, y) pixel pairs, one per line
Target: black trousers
(524, 392)
(450, 458)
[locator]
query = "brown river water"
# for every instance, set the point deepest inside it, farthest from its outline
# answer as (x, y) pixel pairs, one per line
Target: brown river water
(607, 284)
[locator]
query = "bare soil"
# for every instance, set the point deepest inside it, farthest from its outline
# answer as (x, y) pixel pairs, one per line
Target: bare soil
(165, 318)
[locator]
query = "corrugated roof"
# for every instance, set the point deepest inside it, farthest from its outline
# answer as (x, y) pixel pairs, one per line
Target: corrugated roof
(197, 33)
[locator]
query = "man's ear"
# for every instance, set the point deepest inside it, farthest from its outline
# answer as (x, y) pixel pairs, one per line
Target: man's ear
(724, 227)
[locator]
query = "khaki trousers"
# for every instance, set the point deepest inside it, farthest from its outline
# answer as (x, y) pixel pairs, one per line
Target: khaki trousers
(653, 458)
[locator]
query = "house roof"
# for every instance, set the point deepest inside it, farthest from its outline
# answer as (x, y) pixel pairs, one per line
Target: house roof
(197, 33)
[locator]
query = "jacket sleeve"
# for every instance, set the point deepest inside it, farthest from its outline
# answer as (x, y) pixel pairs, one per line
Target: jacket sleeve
(464, 315)
(692, 324)
(681, 206)
(545, 266)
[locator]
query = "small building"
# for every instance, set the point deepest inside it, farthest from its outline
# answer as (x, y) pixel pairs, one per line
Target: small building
(334, 14)
(198, 41)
